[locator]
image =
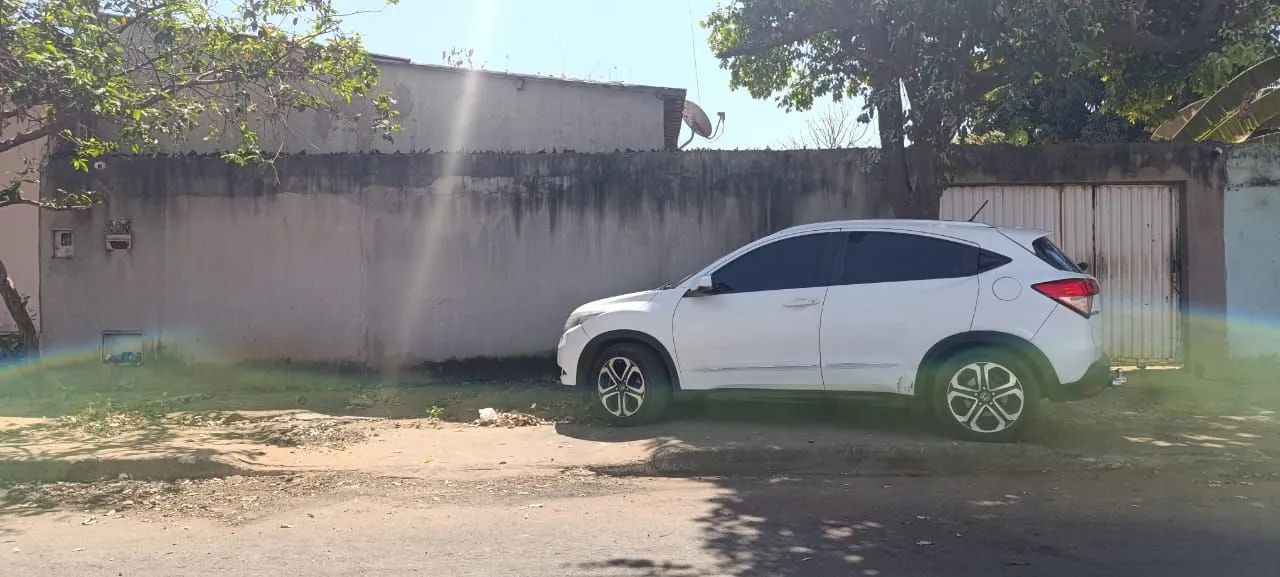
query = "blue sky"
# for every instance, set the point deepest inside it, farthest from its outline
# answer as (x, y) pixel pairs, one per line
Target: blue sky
(634, 41)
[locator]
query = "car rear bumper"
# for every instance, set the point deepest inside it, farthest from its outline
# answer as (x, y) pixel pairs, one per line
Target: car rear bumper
(1095, 379)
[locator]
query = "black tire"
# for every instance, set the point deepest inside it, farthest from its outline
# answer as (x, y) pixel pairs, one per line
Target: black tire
(644, 394)
(995, 414)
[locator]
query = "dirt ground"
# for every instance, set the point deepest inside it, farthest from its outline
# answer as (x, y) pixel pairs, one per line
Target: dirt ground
(239, 499)
(349, 425)
(1113, 523)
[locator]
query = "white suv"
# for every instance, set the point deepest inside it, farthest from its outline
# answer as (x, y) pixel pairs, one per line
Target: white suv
(978, 322)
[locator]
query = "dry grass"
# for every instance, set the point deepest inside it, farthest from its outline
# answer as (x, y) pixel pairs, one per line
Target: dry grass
(101, 397)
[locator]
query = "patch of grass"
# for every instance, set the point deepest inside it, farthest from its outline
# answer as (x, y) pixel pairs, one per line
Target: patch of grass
(107, 417)
(92, 392)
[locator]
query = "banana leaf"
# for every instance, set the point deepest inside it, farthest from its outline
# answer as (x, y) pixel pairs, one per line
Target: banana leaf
(1227, 99)
(1273, 124)
(1273, 138)
(1167, 130)
(1246, 120)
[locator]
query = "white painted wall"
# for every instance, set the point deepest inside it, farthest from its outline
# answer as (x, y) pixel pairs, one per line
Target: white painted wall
(1252, 231)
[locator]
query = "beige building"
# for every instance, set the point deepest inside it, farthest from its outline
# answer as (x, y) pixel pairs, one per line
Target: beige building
(19, 227)
(444, 108)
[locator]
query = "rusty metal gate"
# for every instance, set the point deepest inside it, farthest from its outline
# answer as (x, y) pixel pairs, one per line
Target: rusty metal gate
(1128, 234)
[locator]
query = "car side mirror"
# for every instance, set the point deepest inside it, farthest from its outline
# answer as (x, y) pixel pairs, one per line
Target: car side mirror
(1084, 266)
(702, 286)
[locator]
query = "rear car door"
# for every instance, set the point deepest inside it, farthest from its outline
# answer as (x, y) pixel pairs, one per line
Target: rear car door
(760, 327)
(895, 294)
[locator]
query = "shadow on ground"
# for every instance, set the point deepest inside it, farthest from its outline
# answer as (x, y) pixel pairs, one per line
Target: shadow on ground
(756, 420)
(1086, 524)
(1158, 415)
(979, 526)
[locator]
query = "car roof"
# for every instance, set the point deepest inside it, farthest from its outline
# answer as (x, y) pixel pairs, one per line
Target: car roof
(898, 223)
(956, 228)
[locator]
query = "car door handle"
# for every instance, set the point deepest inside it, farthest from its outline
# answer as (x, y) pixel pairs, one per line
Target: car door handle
(800, 303)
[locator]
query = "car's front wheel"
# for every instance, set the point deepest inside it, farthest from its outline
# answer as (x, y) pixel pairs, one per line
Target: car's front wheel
(985, 394)
(630, 385)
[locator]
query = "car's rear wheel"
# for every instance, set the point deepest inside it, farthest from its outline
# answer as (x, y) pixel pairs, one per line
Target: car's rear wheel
(985, 394)
(629, 384)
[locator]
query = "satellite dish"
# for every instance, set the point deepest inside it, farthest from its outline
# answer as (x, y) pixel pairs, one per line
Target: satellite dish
(697, 120)
(699, 123)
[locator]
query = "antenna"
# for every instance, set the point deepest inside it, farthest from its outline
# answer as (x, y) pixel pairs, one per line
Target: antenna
(699, 122)
(979, 211)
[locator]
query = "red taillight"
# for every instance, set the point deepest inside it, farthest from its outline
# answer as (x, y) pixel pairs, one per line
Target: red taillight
(1074, 293)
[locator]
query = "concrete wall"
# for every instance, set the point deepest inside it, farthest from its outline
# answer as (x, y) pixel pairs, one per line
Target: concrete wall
(19, 229)
(442, 108)
(1252, 232)
(453, 109)
(1198, 169)
(408, 258)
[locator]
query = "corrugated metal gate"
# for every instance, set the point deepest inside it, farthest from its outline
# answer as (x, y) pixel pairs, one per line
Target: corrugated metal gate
(1127, 233)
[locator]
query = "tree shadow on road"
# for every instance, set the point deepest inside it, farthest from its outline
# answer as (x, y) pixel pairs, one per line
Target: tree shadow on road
(755, 421)
(1083, 524)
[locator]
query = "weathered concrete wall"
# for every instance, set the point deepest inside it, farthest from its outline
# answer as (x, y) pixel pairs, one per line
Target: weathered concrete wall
(19, 228)
(1252, 232)
(407, 258)
(442, 108)
(1198, 169)
(454, 109)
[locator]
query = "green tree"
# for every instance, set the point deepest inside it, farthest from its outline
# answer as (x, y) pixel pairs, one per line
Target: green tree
(934, 71)
(1064, 110)
(95, 77)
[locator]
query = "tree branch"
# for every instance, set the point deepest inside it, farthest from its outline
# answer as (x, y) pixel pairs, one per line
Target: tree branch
(169, 91)
(28, 136)
(20, 201)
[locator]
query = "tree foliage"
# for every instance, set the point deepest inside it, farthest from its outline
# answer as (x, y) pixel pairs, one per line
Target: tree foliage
(107, 76)
(1140, 74)
(1065, 110)
(934, 71)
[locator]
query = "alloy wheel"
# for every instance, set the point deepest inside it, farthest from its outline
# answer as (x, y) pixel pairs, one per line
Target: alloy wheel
(985, 397)
(621, 387)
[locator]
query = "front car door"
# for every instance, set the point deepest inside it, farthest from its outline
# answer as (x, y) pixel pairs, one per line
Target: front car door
(895, 295)
(759, 328)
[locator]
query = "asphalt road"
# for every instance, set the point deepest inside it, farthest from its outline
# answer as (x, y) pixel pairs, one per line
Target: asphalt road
(1113, 523)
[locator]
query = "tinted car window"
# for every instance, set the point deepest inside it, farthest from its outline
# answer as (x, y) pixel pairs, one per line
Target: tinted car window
(872, 257)
(1050, 253)
(988, 260)
(796, 262)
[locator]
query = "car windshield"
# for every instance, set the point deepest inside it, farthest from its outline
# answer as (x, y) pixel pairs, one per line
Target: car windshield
(1050, 253)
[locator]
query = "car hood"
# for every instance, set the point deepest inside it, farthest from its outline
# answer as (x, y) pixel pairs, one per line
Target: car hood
(620, 302)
